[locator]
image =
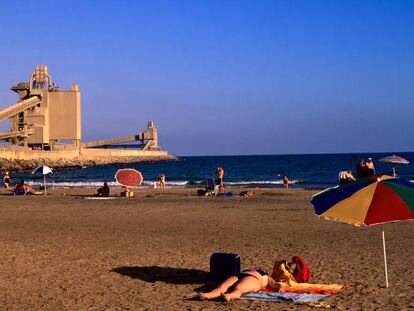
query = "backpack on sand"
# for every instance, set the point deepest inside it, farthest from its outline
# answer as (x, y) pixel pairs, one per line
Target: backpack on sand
(302, 272)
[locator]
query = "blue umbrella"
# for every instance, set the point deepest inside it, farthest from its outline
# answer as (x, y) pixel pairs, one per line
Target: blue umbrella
(44, 170)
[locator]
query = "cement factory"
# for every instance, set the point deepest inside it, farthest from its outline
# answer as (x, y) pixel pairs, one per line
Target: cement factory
(45, 122)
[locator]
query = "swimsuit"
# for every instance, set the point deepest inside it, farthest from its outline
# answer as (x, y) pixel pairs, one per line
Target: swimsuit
(261, 272)
(243, 274)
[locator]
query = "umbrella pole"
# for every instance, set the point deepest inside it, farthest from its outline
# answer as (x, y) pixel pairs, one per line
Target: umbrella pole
(385, 259)
(44, 183)
(393, 171)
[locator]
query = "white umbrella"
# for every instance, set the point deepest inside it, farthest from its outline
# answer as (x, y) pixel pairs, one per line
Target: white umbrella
(44, 170)
(394, 160)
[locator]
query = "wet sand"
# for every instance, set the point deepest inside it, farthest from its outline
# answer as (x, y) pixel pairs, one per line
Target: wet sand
(62, 252)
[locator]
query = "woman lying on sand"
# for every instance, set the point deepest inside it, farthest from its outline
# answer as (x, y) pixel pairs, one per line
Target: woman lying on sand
(246, 282)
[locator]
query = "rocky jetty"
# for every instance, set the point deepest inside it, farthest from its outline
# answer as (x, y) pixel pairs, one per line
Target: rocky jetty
(17, 165)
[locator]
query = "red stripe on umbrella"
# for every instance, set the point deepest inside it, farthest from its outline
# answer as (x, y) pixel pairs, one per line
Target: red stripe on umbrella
(386, 206)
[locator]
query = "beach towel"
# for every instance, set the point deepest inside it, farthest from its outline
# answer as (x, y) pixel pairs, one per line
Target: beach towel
(273, 296)
(286, 283)
(99, 198)
(302, 288)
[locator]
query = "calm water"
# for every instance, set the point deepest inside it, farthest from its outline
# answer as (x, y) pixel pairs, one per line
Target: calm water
(308, 171)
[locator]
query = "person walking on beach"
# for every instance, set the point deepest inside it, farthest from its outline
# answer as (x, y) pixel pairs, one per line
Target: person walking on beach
(220, 177)
(286, 182)
(162, 181)
(6, 180)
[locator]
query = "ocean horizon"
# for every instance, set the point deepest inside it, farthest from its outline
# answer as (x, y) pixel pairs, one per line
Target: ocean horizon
(241, 171)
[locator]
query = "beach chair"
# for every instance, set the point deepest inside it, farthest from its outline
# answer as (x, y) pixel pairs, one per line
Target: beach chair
(212, 189)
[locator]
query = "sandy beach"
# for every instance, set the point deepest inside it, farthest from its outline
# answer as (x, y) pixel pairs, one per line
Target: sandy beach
(62, 252)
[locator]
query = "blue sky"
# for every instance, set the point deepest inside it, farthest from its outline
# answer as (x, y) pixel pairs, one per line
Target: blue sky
(225, 77)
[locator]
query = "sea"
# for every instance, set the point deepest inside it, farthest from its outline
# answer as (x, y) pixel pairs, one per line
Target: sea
(245, 171)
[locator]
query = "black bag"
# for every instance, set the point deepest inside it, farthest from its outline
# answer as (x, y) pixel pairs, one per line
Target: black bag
(224, 265)
(201, 192)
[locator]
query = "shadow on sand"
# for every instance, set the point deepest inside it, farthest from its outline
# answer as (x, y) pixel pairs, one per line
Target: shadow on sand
(165, 274)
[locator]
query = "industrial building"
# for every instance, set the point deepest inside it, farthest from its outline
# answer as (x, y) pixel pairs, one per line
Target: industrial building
(45, 121)
(45, 115)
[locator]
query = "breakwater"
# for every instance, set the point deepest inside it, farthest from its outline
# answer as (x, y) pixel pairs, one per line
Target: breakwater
(21, 159)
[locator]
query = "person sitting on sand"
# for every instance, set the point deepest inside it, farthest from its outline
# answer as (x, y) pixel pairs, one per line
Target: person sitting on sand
(22, 189)
(103, 191)
(345, 177)
(361, 169)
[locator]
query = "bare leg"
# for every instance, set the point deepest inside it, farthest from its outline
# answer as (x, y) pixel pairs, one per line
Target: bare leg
(245, 285)
(219, 290)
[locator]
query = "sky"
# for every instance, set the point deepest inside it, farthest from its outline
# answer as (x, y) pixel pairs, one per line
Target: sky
(225, 77)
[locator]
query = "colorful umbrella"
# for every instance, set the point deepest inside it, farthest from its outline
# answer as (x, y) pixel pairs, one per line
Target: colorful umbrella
(370, 201)
(394, 160)
(44, 170)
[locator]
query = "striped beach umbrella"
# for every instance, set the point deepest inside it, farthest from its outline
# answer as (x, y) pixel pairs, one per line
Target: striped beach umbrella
(370, 201)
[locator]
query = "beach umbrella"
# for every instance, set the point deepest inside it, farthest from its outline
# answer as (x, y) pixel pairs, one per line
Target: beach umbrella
(44, 170)
(366, 202)
(129, 177)
(394, 160)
